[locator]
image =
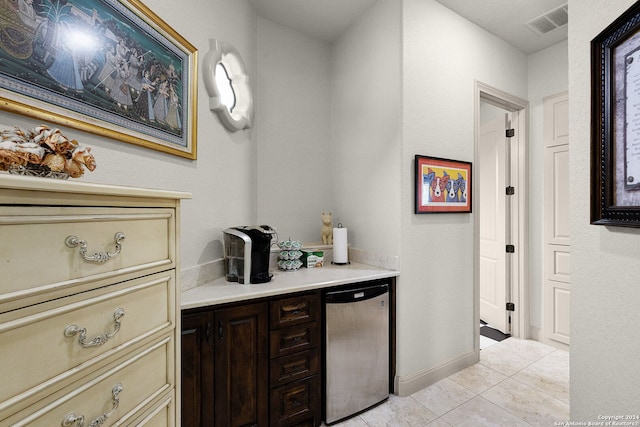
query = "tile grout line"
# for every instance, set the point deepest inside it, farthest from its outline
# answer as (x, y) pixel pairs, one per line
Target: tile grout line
(484, 398)
(536, 387)
(541, 391)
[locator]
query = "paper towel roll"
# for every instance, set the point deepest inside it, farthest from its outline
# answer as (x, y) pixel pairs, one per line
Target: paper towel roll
(340, 250)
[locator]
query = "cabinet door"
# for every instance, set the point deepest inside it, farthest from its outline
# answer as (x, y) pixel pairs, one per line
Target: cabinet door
(241, 365)
(197, 369)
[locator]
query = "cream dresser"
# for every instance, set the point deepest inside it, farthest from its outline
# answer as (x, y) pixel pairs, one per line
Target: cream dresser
(89, 307)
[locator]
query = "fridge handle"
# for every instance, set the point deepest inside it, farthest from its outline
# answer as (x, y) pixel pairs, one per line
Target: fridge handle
(354, 295)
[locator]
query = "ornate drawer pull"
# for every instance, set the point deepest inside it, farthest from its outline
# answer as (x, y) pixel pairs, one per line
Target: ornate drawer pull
(71, 330)
(71, 418)
(99, 257)
(294, 309)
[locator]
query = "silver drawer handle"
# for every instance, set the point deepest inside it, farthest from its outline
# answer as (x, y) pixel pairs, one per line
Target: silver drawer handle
(99, 257)
(72, 330)
(71, 418)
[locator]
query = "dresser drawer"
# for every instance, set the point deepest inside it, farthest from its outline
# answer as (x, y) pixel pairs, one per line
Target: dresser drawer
(36, 257)
(294, 367)
(294, 403)
(294, 310)
(45, 345)
(161, 413)
(292, 339)
(120, 390)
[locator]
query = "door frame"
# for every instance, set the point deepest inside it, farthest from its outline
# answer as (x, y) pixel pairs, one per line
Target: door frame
(520, 209)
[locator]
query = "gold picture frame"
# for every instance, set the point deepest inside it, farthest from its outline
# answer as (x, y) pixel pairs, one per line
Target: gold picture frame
(108, 67)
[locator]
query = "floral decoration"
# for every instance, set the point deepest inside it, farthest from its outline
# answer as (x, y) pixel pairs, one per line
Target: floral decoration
(45, 150)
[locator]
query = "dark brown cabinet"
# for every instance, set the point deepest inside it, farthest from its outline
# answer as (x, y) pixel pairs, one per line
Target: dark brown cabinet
(294, 351)
(197, 369)
(225, 367)
(241, 367)
(253, 364)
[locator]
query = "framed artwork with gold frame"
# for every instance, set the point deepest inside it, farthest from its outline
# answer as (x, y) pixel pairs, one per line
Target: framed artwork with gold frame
(109, 67)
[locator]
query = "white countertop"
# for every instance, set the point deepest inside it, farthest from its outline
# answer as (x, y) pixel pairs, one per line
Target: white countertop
(283, 282)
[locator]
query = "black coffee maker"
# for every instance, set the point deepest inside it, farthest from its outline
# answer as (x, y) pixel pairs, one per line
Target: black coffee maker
(246, 253)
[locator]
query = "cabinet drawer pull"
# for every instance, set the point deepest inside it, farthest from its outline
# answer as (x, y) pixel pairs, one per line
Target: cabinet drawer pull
(293, 309)
(72, 419)
(72, 330)
(99, 257)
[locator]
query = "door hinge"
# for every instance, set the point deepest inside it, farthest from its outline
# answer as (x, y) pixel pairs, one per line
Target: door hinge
(510, 133)
(511, 191)
(511, 249)
(511, 306)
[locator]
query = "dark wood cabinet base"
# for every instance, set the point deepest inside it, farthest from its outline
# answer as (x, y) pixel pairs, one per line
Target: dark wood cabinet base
(239, 368)
(258, 363)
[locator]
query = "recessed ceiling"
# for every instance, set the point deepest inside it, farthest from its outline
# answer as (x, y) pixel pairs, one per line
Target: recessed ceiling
(322, 19)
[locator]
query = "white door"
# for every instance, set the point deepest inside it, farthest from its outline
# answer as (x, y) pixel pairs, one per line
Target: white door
(493, 174)
(557, 243)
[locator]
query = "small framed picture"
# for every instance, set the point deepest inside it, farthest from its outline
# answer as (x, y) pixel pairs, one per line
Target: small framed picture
(442, 185)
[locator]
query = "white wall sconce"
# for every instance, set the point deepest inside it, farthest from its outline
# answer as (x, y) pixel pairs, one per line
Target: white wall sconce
(227, 83)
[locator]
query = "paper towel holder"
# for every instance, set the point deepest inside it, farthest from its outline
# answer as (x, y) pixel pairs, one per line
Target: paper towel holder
(334, 242)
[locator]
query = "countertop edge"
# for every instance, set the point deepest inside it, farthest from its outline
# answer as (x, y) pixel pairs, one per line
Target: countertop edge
(220, 291)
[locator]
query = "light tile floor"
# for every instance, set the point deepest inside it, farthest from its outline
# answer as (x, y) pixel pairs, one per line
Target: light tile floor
(516, 383)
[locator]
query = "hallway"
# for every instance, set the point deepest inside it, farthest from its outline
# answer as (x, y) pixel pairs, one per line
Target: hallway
(516, 383)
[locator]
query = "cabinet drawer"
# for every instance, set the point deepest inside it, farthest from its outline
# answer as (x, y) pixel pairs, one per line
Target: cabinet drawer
(143, 377)
(43, 348)
(161, 414)
(295, 338)
(295, 310)
(295, 402)
(294, 367)
(36, 258)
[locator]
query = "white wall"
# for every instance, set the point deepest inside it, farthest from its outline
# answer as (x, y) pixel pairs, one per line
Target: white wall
(222, 180)
(548, 75)
(443, 55)
(604, 260)
(365, 130)
(293, 129)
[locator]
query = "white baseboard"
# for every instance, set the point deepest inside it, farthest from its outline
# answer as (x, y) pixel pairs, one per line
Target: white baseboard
(557, 344)
(407, 385)
(536, 334)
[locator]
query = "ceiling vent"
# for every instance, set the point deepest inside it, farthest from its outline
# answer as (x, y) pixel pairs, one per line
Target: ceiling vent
(550, 21)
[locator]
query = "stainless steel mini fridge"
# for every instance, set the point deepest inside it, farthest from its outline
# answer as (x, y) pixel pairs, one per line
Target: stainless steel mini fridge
(356, 350)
